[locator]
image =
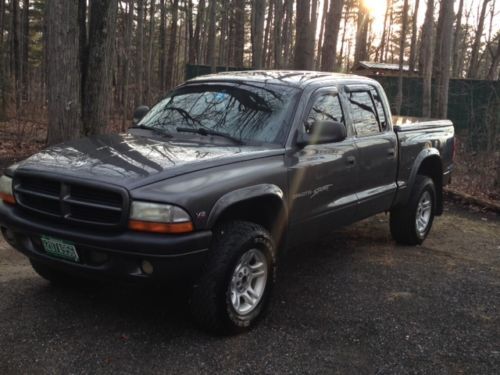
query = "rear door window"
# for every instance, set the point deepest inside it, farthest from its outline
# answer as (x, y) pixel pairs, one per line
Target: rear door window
(380, 108)
(364, 113)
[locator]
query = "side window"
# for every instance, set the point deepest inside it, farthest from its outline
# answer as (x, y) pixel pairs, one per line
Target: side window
(380, 108)
(326, 108)
(364, 114)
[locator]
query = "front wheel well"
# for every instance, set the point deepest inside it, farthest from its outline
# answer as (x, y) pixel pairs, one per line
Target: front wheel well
(268, 211)
(433, 168)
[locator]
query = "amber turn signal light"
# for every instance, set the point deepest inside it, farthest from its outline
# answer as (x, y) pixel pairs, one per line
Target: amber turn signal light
(7, 198)
(147, 226)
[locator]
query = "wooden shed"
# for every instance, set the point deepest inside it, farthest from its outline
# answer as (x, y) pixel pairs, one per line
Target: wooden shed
(368, 68)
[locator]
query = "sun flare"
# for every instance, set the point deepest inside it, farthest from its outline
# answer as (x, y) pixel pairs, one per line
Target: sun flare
(376, 8)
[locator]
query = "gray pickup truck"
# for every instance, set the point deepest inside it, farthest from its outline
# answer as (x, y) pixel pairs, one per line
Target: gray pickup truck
(216, 180)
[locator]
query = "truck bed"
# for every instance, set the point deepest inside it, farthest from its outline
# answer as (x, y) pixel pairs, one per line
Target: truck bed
(407, 123)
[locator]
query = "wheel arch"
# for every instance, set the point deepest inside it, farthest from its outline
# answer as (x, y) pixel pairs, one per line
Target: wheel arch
(429, 163)
(262, 204)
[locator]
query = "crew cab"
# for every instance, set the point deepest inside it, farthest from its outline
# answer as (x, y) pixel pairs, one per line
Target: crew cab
(217, 179)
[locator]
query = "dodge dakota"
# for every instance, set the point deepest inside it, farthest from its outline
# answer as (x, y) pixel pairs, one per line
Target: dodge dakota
(213, 183)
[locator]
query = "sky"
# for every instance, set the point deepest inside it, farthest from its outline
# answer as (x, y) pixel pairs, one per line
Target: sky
(377, 10)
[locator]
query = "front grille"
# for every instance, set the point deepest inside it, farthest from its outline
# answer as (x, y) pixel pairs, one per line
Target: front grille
(71, 201)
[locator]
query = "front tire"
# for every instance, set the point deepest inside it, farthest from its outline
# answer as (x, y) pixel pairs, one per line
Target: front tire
(411, 223)
(233, 291)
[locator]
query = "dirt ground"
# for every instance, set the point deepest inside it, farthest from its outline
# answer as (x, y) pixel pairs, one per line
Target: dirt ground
(353, 303)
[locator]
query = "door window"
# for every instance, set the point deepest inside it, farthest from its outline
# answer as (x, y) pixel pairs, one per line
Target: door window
(364, 114)
(326, 108)
(380, 108)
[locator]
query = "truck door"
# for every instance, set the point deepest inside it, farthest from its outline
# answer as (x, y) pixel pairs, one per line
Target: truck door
(377, 146)
(322, 176)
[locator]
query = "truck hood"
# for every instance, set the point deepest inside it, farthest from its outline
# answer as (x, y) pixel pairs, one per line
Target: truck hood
(132, 161)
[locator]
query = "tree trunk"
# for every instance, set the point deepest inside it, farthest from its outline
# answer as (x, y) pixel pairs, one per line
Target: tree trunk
(25, 27)
(402, 46)
(83, 40)
(426, 58)
(16, 51)
(278, 22)
(257, 32)
(493, 71)
(64, 99)
(172, 43)
(200, 15)
(311, 44)
(163, 45)
(239, 33)
(344, 32)
(192, 45)
(332, 28)
(414, 32)
(287, 32)
(379, 55)
(2, 23)
(222, 60)
(456, 39)
(149, 65)
(474, 59)
(3, 78)
(322, 34)
(139, 55)
(443, 46)
(302, 30)
(267, 35)
(360, 51)
(129, 22)
(97, 90)
(211, 56)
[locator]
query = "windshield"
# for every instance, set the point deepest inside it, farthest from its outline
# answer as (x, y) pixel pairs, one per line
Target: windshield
(244, 112)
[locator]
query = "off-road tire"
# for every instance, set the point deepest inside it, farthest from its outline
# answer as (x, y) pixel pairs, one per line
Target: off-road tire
(210, 300)
(403, 218)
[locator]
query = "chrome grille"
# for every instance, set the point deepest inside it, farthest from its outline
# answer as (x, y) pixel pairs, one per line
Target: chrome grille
(71, 201)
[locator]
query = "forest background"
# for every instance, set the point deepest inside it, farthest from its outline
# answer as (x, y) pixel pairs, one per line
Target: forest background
(72, 68)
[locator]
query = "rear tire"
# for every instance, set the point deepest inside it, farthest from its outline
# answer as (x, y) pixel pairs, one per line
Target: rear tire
(411, 223)
(233, 291)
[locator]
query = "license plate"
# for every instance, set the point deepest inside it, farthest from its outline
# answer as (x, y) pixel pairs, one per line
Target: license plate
(60, 248)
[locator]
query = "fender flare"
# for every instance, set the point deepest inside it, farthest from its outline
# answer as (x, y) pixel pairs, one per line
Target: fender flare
(421, 157)
(425, 154)
(243, 194)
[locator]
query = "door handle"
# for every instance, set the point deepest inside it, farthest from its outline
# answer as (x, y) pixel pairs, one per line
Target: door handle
(351, 160)
(391, 152)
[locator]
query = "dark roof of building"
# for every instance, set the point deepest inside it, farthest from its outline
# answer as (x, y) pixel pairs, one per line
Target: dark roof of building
(383, 66)
(286, 77)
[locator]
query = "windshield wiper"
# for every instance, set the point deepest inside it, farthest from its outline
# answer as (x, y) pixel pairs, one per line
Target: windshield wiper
(205, 132)
(153, 129)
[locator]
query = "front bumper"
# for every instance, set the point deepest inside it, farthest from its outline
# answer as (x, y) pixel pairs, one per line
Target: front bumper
(119, 254)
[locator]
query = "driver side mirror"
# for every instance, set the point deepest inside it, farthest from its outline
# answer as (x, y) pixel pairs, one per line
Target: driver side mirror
(139, 114)
(321, 132)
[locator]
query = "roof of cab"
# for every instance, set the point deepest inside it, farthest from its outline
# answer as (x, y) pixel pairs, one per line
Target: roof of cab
(287, 77)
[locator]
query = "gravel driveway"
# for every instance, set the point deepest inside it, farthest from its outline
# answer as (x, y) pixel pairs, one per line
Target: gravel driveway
(353, 303)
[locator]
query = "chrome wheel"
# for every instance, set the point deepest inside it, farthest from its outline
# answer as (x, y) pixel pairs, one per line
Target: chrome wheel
(424, 212)
(248, 281)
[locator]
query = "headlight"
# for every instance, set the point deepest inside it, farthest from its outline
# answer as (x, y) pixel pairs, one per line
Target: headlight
(159, 218)
(6, 193)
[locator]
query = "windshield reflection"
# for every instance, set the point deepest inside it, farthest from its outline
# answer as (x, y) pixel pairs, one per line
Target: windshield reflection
(245, 112)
